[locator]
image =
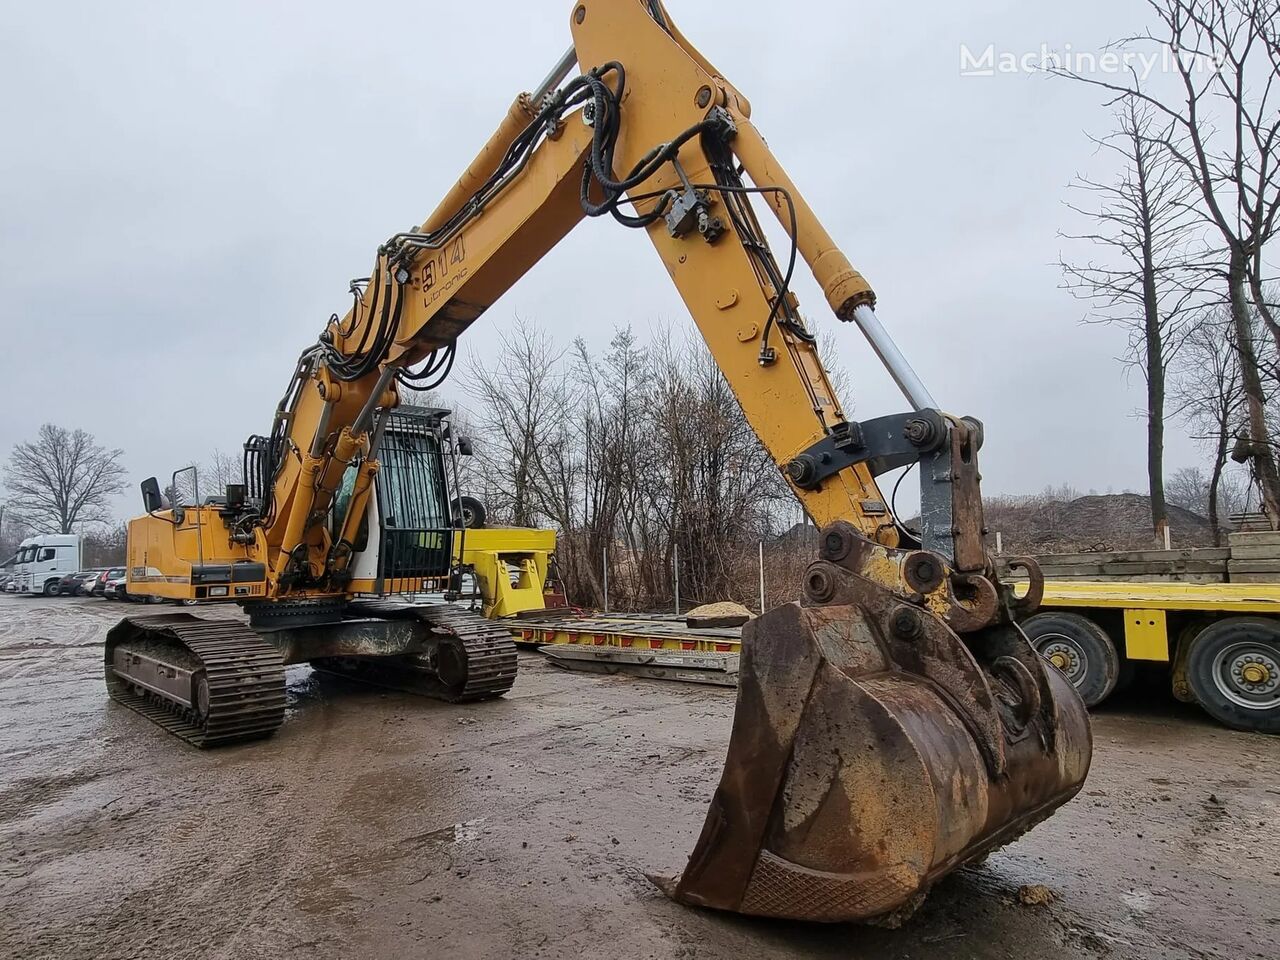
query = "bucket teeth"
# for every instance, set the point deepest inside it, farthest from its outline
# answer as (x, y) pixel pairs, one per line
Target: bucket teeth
(855, 780)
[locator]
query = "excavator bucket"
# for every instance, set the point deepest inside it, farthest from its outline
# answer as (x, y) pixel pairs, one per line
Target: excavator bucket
(873, 751)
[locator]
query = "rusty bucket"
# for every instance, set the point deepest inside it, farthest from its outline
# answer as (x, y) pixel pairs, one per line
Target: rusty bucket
(873, 751)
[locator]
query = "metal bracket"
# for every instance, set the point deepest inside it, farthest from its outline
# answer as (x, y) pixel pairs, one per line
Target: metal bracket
(950, 500)
(883, 444)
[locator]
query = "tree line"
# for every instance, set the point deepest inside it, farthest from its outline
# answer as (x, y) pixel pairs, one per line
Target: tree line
(639, 456)
(1179, 242)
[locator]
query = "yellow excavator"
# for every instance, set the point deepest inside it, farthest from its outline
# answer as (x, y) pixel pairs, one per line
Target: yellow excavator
(891, 725)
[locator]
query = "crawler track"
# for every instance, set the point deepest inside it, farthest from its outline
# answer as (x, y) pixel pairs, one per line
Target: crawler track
(241, 678)
(468, 658)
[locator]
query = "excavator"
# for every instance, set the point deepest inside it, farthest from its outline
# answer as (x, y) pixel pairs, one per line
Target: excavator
(891, 724)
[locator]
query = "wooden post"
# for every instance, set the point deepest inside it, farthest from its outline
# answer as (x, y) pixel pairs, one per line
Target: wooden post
(675, 568)
(762, 576)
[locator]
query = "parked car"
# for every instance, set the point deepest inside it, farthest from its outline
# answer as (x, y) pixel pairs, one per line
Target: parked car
(100, 585)
(67, 585)
(116, 588)
(85, 582)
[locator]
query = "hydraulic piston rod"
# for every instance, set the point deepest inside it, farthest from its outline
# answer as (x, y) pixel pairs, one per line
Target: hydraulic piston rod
(557, 75)
(904, 376)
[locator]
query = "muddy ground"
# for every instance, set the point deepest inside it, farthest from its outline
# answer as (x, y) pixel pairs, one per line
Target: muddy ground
(379, 826)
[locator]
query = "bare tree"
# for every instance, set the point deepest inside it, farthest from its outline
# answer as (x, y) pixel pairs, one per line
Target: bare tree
(62, 478)
(1224, 130)
(1210, 400)
(1144, 281)
(13, 530)
(1190, 488)
(618, 472)
(219, 470)
(522, 405)
(723, 484)
(640, 453)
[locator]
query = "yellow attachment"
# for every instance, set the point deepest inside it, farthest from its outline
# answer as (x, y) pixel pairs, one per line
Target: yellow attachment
(511, 567)
(1146, 635)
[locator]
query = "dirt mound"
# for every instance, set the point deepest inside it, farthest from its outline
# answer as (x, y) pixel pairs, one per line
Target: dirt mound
(1121, 521)
(1043, 523)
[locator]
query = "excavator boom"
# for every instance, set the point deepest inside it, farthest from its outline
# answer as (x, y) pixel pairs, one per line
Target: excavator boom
(893, 722)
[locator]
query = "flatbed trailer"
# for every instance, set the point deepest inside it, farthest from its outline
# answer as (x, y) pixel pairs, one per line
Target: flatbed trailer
(1221, 642)
(649, 645)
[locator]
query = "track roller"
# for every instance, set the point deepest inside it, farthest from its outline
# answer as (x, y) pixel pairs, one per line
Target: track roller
(210, 682)
(466, 657)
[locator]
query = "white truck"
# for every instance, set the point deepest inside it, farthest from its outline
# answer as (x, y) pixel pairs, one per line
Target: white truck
(45, 559)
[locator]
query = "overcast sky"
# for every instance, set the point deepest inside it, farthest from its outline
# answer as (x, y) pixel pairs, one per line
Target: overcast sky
(185, 190)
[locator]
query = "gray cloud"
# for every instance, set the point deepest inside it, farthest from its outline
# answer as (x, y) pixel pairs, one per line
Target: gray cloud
(185, 191)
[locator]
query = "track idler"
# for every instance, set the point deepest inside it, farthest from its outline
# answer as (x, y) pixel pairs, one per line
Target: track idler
(873, 750)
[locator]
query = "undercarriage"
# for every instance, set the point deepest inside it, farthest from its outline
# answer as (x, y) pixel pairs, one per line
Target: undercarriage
(219, 682)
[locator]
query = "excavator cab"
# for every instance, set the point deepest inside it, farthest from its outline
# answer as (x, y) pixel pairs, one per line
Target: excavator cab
(411, 525)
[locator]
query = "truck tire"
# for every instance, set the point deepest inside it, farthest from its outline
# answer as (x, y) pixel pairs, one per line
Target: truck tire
(470, 511)
(51, 588)
(1080, 649)
(1234, 671)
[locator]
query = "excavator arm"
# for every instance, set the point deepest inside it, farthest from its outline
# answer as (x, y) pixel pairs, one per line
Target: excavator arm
(894, 722)
(647, 102)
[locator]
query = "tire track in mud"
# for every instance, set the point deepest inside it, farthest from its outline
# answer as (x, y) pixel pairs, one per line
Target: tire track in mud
(162, 847)
(173, 856)
(18, 798)
(238, 854)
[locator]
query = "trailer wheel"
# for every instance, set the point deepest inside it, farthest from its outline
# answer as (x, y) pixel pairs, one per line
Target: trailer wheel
(1234, 671)
(1080, 649)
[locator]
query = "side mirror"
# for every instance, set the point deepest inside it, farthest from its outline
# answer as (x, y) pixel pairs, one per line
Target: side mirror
(464, 446)
(151, 499)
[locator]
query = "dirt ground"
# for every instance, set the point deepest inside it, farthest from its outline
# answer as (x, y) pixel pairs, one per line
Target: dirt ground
(382, 826)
